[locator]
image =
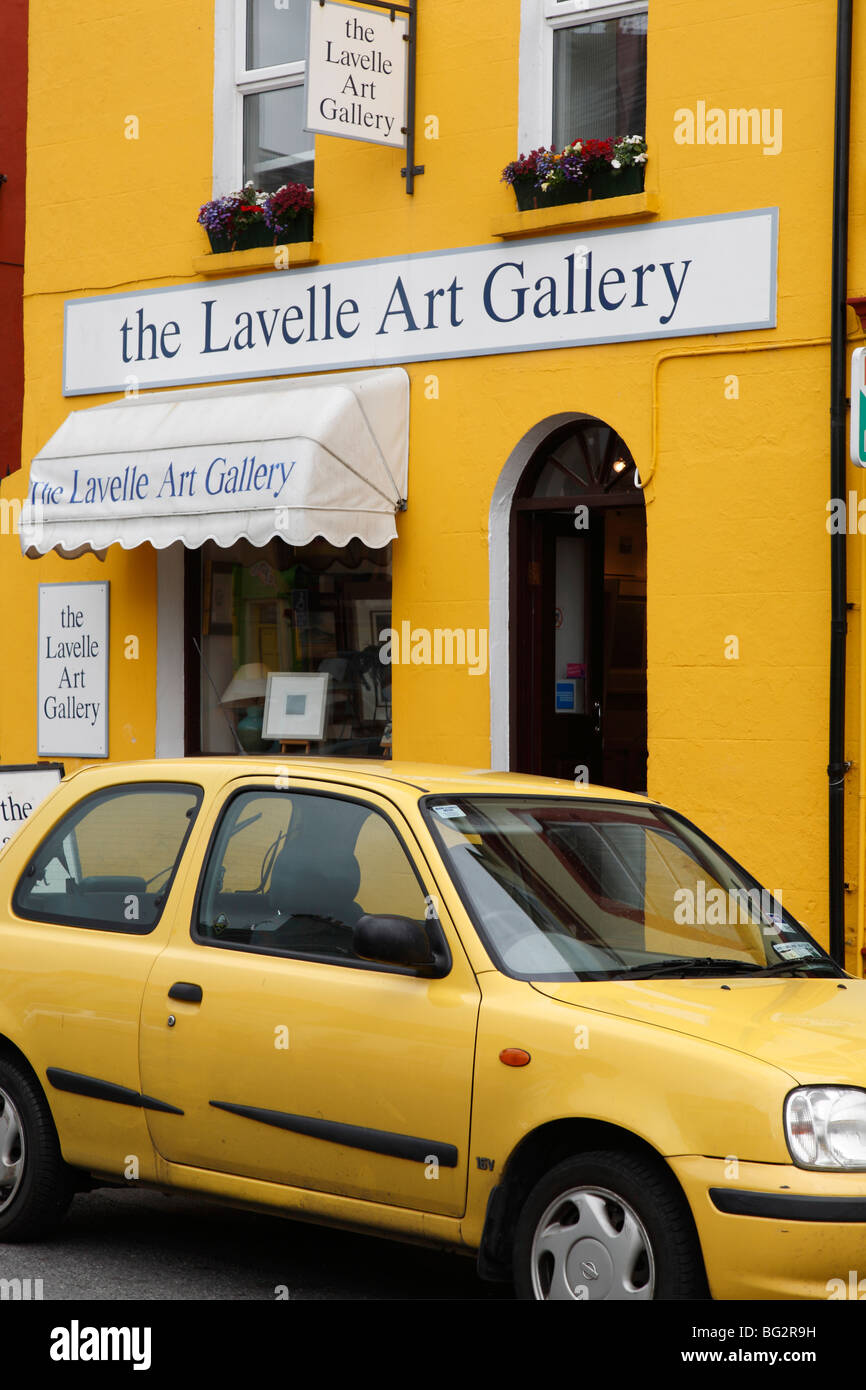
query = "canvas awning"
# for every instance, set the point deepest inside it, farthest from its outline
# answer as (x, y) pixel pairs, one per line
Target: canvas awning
(309, 456)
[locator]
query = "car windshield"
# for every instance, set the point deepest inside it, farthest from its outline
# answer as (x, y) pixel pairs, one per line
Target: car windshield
(564, 888)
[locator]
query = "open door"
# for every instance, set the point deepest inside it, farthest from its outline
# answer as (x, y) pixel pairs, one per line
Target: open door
(579, 612)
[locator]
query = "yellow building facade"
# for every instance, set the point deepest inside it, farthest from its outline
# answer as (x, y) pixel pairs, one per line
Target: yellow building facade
(694, 594)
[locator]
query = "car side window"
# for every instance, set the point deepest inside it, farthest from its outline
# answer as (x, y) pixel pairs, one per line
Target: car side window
(295, 872)
(109, 863)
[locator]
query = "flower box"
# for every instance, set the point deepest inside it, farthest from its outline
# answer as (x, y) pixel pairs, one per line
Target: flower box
(251, 218)
(299, 229)
(582, 171)
(617, 183)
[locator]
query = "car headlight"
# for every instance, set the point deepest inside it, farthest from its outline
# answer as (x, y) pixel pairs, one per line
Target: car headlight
(825, 1126)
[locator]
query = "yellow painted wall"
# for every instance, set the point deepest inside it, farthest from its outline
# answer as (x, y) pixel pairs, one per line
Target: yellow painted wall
(737, 544)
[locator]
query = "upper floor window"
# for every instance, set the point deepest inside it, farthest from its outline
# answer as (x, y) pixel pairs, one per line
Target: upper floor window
(259, 113)
(582, 71)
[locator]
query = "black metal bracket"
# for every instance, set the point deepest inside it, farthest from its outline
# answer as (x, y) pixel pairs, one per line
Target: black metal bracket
(411, 37)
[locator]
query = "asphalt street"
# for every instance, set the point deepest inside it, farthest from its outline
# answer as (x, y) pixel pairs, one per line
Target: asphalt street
(135, 1244)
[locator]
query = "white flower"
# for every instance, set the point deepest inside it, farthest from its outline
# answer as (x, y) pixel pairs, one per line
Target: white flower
(640, 159)
(615, 164)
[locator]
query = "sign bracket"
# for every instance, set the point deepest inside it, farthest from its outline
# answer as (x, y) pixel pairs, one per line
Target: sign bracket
(411, 11)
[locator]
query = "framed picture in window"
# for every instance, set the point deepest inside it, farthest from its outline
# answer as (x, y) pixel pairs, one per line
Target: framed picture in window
(220, 599)
(296, 704)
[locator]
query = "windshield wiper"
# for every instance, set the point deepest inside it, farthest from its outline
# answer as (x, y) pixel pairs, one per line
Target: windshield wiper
(717, 965)
(697, 965)
(787, 967)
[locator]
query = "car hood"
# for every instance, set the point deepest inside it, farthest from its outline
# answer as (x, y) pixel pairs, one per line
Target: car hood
(811, 1029)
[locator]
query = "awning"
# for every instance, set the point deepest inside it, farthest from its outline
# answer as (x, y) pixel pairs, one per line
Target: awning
(311, 456)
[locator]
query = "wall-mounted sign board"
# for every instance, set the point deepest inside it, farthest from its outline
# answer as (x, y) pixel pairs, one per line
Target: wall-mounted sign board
(73, 670)
(356, 74)
(22, 787)
(659, 280)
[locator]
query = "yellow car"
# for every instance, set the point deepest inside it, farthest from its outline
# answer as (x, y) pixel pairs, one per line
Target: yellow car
(553, 1027)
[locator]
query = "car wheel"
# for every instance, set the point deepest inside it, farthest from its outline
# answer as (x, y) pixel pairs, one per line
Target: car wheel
(607, 1226)
(36, 1186)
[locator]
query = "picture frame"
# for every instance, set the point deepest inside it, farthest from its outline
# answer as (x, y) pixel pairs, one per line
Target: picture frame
(296, 705)
(220, 599)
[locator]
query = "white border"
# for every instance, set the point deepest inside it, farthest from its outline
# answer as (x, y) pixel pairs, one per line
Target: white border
(404, 118)
(60, 752)
(169, 740)
(314, 684)
(499, 546)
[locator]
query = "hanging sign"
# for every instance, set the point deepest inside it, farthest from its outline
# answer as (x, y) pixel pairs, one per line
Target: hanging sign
(356, 74)
(21, 790)
(73, 670)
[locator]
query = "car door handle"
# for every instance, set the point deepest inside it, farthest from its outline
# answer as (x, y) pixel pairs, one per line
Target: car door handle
(190, 993)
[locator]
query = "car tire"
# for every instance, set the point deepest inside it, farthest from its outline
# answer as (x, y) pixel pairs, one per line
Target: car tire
(36, 1186)
(607, 1226)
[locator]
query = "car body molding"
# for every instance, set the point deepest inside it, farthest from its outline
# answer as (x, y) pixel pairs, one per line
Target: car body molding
(380, 1141)
(105, 1090)
(788, 1206)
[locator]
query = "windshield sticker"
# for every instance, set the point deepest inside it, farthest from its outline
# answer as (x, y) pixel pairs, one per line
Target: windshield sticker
(448, 812)
(795, 950)
(775, 923)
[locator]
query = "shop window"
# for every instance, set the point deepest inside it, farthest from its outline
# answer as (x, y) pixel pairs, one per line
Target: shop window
(111, 861)
(582, 71)
(294, 611)
(259, 111)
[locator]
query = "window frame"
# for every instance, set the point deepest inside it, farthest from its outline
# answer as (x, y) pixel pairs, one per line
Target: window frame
(443, 960)
(539, 19)
(233, 81)
(103, 794)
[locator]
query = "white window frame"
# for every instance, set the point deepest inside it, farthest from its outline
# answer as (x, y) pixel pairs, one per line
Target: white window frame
(538, 21)
(232, 82)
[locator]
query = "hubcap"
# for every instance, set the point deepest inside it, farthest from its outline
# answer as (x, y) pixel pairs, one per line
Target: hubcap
(590, 1244)
(11, 1151)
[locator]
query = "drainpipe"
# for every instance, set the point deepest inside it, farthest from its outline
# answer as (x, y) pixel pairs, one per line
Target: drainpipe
(838, 767)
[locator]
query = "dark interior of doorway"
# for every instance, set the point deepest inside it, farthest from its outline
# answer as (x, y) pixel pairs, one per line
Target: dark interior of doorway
(578, 605)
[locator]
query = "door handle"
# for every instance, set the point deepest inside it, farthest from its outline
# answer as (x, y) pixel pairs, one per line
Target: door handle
(596, 710)
(192, 994)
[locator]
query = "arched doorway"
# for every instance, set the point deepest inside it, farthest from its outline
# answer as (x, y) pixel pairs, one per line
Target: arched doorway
(578, 610)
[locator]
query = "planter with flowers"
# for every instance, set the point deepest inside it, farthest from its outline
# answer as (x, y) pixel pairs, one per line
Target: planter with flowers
(582, 171)
(289, 213)
(616, 168)
(250, 218)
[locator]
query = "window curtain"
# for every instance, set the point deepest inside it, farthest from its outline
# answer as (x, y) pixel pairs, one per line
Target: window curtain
(599, 79)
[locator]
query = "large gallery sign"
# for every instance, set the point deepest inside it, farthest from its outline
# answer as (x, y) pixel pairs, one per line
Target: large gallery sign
(668, 279)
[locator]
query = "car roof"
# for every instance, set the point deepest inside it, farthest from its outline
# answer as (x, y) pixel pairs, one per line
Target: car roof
(433, 778)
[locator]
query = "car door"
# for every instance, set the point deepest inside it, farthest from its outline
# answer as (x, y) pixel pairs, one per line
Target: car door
(293, 1060)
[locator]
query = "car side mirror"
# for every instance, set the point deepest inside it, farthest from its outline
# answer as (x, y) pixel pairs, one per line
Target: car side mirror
(392, 940)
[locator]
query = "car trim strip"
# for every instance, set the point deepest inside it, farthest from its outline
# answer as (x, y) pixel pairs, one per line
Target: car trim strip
(96, 1089)
(380, 1141)
(788, 1206)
